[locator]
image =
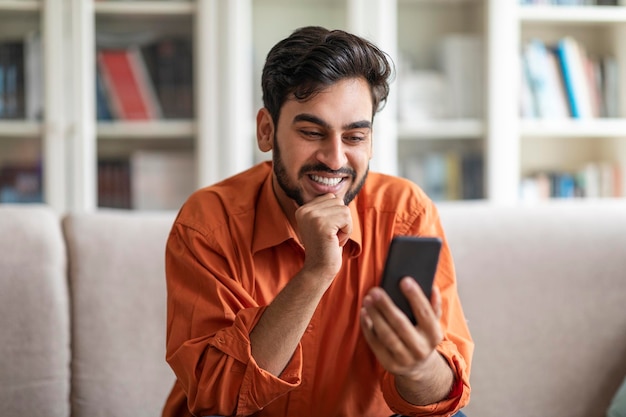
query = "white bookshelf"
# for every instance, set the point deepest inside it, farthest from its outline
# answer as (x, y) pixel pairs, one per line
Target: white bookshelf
(441, 130)
(20, 129)
(20, 5)
(570, 144)
(574, 128)
(17, 19)
(230, 41)
(439, 127)
(145, 8)
(71, 140)
(573, 15)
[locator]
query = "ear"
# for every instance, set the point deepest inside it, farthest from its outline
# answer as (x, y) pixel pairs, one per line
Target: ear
(264, 130)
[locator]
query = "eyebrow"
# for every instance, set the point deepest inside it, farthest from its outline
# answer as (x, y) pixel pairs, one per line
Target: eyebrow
(307, 117)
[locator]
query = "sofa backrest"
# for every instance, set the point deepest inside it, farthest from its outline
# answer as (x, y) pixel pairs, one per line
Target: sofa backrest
(118, 294)
(34, 314)
(544, 292)
(543, 289)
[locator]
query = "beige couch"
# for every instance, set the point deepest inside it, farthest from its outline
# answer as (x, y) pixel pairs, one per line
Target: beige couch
(82, 309)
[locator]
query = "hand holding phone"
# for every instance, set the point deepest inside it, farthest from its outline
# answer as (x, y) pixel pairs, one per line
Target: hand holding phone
(413, 256)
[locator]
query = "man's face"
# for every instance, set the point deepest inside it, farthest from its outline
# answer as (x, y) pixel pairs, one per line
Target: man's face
(324, 145)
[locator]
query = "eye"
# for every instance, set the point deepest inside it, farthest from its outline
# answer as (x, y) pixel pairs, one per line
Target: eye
(313, 134)
(355, 139)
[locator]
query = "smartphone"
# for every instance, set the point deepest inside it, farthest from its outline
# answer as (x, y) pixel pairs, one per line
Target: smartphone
(413, 256)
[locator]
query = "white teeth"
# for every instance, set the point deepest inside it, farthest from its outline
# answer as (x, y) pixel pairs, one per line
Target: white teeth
(326, 181)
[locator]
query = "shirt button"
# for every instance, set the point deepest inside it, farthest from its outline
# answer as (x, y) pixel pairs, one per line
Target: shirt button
(220, 339)
(309, 328)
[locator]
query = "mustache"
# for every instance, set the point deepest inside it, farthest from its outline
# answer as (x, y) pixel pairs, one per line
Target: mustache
(325, 168)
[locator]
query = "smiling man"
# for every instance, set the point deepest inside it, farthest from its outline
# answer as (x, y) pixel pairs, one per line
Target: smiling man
(274, 305)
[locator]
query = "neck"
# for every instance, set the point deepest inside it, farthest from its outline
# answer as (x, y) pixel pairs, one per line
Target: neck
(288, 206)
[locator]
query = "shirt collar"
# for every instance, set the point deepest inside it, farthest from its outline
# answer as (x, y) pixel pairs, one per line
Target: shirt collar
(271, 226)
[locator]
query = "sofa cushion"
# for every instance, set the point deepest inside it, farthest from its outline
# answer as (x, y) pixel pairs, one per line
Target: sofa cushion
(544, 290)
(34, 314)
(118, 294)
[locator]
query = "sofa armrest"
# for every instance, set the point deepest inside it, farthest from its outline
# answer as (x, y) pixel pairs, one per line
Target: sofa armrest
(34, 313)
(544, 289)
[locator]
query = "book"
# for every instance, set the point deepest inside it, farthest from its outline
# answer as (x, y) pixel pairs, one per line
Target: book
(12, 80)
(602, 179)
(114, 183)
(559, 107)
(461, 61)
(593, 74)
(422, 96)
(103, 109)
(472, 176)
(435, 179)
(564, 185)
(450, 175)
(572, 61)
(21, 183)
(610, 86)
(161, 180)
(128, 86)
(528, 109)
(33, 76)
(2, 76)
(454, 185)
(170, 65)
(543, 76)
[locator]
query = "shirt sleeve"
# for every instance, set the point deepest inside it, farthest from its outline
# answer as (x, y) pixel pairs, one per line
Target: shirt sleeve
(209, 319)
(457, 346)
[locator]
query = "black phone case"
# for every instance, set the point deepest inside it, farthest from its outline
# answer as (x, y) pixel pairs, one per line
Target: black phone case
(413, 256)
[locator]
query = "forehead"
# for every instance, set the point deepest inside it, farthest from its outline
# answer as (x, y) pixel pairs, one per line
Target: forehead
(343, 102)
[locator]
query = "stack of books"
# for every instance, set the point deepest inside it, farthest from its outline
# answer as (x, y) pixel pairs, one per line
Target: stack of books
(147, 82)
(565, 81)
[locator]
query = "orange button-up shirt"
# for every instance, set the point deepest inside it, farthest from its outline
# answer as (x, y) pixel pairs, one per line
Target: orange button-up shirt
(232, 249)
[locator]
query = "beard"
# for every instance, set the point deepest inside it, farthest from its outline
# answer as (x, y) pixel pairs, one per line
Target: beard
(294, 192)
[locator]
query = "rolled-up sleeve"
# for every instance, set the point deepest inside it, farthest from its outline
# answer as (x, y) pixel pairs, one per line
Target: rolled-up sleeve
(209, 319)
(457, 347)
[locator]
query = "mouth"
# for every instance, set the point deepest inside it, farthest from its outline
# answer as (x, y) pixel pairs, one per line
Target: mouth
(326, 181)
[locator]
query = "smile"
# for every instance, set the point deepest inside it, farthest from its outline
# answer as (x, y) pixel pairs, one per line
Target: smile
(326, 181)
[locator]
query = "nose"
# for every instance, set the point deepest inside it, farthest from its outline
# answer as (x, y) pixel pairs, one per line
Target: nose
(332, 152)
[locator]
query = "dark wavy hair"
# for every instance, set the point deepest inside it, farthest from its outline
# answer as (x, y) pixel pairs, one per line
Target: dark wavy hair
(313, 58)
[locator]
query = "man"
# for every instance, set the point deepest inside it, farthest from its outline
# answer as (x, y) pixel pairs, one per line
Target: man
(274, 307)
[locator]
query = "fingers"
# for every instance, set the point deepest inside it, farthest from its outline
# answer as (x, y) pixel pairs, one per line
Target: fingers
(324, 226)
(377, 336)
(426, 312)
(327, 215)
(398, 345)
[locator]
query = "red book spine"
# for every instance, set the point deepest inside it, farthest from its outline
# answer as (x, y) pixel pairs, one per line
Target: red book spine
(126, 87)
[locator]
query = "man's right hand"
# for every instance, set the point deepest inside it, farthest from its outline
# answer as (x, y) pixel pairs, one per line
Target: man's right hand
(324, 226)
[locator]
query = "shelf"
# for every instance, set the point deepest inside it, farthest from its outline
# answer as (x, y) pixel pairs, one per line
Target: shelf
(145, 8)
(20, 5)
(574, 128)
(439, 2)
(19, 129)
(223, 65)
(441, 129)
(161, 129)
(573, 15)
